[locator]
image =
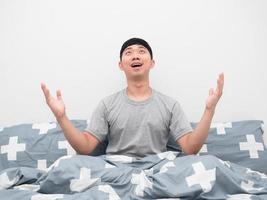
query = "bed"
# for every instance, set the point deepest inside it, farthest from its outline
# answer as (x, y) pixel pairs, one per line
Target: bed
(36, 162)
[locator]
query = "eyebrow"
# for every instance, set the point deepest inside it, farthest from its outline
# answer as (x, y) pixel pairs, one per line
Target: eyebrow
(139, 46)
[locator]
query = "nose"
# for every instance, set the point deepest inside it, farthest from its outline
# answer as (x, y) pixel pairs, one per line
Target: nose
(136, 56)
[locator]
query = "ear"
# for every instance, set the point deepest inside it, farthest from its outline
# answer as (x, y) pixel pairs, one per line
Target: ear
(152, 63)
(120, 66)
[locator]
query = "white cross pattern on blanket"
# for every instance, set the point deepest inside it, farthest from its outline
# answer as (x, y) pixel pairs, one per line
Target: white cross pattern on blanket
(47, 196)
(12, 148)
(166, 166)
(149, 172)
(41, 164)
(226, 163)
(119, 158)
(252, 146)
(85, 181)
(249, 186)
(5, 182)
(202, 177)
(221, 127)
(204, 149)
(112, 195)
(44, 127)
(27, 187)
(57, 162)
(239, 197)
(142, 182)
(256, 172)
(169, 155)
(262, 128)
(66, 145)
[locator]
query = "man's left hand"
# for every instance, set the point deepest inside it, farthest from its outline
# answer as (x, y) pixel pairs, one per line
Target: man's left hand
(214, 96)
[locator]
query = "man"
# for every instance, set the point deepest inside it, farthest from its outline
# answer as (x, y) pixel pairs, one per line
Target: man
(138, 120)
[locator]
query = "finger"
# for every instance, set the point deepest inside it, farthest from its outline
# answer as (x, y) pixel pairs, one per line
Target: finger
(220, 83)
(45, 91)
(59, 96)
(222, 80)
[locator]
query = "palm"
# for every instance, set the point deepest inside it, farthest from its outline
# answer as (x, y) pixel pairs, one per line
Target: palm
(212, 100)
(56, 104)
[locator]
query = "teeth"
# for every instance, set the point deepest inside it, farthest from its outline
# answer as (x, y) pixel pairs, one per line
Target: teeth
(136, 65)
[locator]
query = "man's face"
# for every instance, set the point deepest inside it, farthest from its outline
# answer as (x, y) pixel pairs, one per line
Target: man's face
(136, 61)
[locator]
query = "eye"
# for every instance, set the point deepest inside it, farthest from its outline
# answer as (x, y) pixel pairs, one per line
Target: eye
(142, 51)
(127, 52)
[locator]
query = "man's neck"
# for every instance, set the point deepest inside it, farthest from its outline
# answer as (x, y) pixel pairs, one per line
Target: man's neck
(139, 91)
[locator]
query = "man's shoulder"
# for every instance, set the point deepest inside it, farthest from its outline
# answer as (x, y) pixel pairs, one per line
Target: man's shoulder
(167, 101)
(112, 98)
(164, 97)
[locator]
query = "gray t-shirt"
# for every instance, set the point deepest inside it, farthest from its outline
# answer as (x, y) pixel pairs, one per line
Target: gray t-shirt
(138, 128)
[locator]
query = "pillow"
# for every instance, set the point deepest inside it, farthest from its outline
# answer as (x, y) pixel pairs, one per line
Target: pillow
(239, 142)
(39, 145)
(36, 145)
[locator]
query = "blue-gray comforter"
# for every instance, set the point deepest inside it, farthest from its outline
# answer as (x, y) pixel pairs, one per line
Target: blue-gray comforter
(163, 176)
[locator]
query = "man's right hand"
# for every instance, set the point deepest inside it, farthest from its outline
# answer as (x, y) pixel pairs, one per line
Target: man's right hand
(56, 105)
(83, 142)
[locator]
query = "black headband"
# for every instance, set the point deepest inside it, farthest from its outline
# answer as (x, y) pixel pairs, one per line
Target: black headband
(134, 41)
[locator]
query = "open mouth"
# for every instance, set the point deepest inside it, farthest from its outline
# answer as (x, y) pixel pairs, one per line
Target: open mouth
(136, 64)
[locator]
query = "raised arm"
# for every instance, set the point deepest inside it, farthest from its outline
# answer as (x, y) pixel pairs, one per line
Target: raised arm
(82, 142)
(191, 143)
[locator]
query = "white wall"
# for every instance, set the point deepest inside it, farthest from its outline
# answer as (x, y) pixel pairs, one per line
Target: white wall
(74, 46)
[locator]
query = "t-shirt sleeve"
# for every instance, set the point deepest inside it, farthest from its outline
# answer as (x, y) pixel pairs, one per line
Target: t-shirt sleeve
(179, 125)
(98, 125)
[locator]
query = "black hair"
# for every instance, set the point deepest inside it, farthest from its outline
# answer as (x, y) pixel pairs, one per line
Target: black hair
(133, 41)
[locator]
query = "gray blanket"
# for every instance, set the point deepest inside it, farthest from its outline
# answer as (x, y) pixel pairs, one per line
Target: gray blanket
(163, 176)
